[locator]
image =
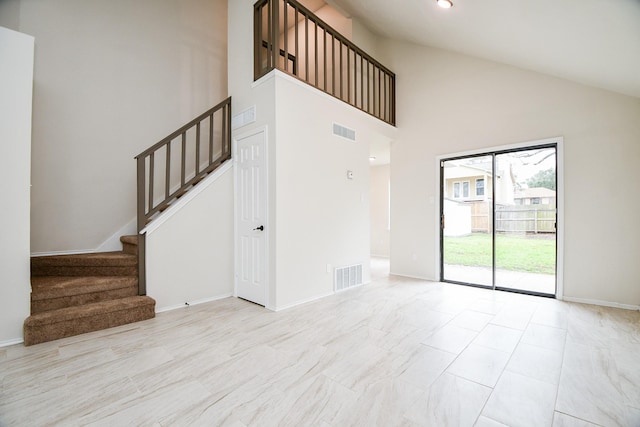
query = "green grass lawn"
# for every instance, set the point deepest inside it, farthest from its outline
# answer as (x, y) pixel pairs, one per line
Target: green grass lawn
(531, 254)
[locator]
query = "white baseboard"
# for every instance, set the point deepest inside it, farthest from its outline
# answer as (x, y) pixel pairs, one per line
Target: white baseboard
(413, 277)
(304, 301)
(602, 303)
(190, 303)
(563, 297)
(111, 244)
(14, 341)
(52, 253)
(379, 256)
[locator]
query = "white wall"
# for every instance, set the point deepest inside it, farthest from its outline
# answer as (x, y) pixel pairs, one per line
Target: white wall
(111, 79)
(317, 216)
(321, 216)
(337, 21)
(450, 103)
(247, 94)
(10, 14)
(190, 256)
(367, 41)
(380, 233)
(16, 84)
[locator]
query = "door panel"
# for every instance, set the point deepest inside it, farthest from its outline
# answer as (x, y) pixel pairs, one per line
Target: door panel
(525, 237)
(251, 181)
(467, 210)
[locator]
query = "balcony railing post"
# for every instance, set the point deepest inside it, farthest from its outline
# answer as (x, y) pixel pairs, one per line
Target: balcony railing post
(257, 42)
(275, 29)
(141, 220)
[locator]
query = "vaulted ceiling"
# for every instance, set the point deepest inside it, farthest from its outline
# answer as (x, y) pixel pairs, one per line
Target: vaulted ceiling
(594, 42)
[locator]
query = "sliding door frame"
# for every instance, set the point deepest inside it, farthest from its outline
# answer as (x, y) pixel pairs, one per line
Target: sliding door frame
(556, 142)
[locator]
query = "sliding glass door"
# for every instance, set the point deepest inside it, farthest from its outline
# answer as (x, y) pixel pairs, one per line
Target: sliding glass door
(498, 213)
(467, 213)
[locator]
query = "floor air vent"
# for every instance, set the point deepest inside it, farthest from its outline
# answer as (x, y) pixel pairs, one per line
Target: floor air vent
(344, 132)
(348, 277)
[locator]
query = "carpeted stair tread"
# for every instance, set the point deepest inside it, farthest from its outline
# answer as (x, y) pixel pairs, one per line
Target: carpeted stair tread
(46, 287)
(131, 240)
(71, 321)
(90, 259)
(88, 310)
(129, 244)
(75, 294)
(91, 264)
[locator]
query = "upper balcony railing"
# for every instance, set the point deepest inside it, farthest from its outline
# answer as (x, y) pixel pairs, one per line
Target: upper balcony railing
(289, 37)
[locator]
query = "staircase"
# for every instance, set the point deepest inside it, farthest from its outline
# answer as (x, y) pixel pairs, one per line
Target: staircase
(75, 294)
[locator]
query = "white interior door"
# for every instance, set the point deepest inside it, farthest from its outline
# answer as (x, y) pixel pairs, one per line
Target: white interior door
(251, 218)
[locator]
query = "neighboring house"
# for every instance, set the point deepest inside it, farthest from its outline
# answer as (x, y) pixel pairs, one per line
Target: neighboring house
(535, 196)
(468, 183)
(473, 181)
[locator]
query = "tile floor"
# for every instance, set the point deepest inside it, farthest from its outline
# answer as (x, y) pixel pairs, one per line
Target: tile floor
(396, 352)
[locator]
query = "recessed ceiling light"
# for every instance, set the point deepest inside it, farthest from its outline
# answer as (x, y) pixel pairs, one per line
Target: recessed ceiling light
(445, 4)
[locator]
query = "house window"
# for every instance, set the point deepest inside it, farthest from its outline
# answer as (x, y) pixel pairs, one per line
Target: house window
(461, 189)
(535, 200)
(480, 187)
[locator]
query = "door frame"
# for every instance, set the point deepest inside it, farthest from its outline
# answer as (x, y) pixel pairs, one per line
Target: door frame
(559, 142)
(267, 232)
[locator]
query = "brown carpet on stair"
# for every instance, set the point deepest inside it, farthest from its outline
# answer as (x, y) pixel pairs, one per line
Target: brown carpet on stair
(75, 294)
(72, 321)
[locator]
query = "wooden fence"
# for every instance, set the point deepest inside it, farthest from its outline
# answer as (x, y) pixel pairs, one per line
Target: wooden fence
(514, 218)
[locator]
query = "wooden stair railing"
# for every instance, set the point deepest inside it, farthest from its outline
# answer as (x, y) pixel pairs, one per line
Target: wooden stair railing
(168, 169)
(291, 38)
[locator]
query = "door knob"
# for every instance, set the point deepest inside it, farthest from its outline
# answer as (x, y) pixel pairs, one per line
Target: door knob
(259, 228)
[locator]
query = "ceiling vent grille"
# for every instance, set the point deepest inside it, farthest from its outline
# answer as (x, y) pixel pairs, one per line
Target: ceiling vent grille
(344, 132)
(348, 277)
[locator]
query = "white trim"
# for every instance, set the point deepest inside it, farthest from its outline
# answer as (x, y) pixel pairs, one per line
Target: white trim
(545, 141)
(113, 242)
(190, 303)
(310, 88)
(602, 303)
(267, 232)
(307, 300)
(53, 253)
(379, 256)
(187, 198)
(14, 341)
(559, 142)
(560, 218)
(409, 276)
(262, 80)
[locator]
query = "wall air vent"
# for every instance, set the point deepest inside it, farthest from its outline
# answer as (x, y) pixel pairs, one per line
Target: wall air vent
(348, 277)
(344, 132)
(244, 118)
